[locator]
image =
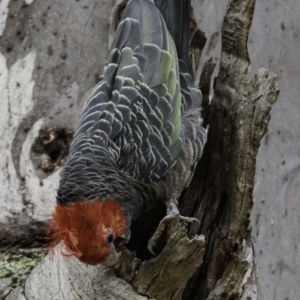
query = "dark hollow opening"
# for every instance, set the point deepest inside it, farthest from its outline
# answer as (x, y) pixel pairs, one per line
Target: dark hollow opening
(54, 154)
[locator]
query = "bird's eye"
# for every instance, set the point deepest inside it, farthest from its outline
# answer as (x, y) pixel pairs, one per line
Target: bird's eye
(110, 238)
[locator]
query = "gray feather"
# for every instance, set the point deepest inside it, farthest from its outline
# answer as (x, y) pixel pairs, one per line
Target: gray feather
(140, 133)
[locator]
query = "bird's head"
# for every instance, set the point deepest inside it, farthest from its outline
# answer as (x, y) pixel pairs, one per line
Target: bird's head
(88, 229)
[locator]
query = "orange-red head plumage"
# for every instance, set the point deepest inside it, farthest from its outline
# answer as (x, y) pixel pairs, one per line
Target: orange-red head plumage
(87, 228)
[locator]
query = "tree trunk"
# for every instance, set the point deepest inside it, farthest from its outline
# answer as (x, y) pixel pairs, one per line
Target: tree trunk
(49, 51)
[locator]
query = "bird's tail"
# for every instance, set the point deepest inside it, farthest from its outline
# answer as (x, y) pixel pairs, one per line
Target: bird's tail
(176, 14)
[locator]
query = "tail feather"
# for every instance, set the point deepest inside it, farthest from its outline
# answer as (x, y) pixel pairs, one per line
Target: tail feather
(176, 14)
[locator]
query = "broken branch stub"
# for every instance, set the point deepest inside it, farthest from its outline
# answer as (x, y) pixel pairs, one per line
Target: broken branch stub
(165, 276)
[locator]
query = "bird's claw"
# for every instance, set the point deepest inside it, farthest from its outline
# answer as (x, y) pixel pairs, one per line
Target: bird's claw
(162, 227)
(190, 220)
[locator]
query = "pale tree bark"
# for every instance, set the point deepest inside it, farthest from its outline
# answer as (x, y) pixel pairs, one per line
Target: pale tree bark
(213, 260)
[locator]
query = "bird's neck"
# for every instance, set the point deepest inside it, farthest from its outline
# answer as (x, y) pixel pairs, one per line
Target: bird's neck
(84, 179)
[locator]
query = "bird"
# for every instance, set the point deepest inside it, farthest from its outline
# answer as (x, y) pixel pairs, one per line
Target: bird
(139, 137)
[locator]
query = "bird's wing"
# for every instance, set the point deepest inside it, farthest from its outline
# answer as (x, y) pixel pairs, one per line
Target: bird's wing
(133, 117)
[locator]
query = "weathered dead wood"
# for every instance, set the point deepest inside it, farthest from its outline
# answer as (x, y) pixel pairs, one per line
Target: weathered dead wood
(166, 275)
(61, 277)
(221, 190)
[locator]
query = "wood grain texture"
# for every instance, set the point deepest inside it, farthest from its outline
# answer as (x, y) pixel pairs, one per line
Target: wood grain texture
(222, 188)
(165, 276)
(62, 277)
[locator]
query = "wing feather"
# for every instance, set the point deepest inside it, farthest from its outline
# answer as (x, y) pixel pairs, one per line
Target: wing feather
(136, 113)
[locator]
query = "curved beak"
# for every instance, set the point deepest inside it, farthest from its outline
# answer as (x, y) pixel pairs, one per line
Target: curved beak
(112, 258)
(122, 240)
(117, 247)
(126, 236)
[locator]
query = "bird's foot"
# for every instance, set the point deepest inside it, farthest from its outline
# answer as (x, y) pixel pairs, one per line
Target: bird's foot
(162, 228)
